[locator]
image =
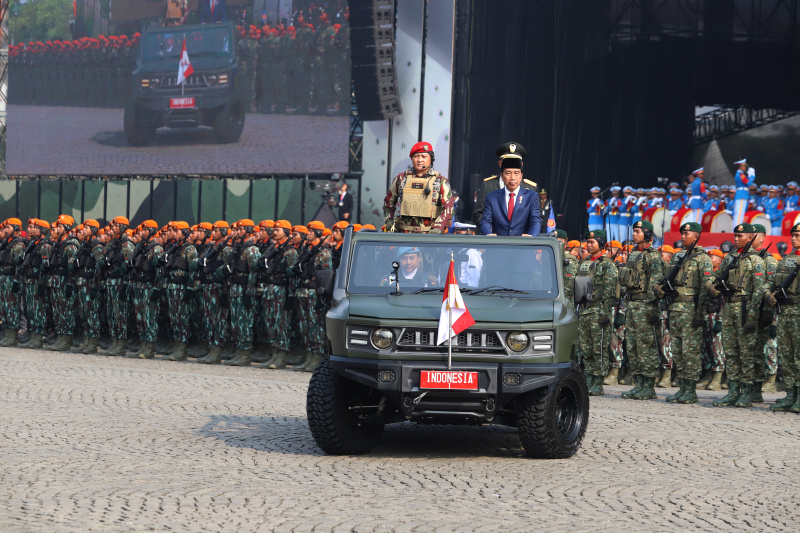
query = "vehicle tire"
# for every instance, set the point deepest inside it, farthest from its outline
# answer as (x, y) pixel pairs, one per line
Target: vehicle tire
(335, 427)
(140, 130)
(552, 421)
(229, 123)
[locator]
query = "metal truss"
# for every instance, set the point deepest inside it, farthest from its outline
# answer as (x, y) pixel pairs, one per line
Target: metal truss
(356, 145)
(727, 121)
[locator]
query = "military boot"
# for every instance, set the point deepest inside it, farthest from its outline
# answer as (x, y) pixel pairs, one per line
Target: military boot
(596, 388)
(716, 382)
(730, 398)
(316, 359)
(213, 357)
(118, 350)
(91, 346)
(132, 344)
(9, 338)
(785, 403)
(705, 379)
(79, 348)
(147, 351)
(163, 346)
(647, 392)
(279, 362)
(637, 379)
(300, 366)
(690, 393)
(36, 342)
(260, 354)
(612, 378)
(105, 341)
(770, 385)
(745, 398)
(272, 357)
(681, 391)
(228, 350)
(627, 377)
(78, 340)
(240, 358)
(755, 392)
(179, 354)
(110, 347)
(795, 408)
(62, 344)
(202, 350)
(664, 383)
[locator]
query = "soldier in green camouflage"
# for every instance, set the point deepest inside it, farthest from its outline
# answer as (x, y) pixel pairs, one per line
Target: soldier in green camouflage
(242, 265)
(597, 311)
(62, 282)
(783, 295)
(35, 263)
(687, 299)
(179, 263)
(743, 291)
(87, 299)
(11, 253)
(145, 263)
(640, 274)
(419, 200)
(763, 371)
(119, 253)
(570, 266)
(216, 310)
(283, 257)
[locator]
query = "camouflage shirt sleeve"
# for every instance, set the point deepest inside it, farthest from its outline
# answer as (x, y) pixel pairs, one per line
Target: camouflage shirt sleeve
(323, 260)
(127, 250)
(17, 251)
(70, 251)
(705, 271)
(390, 202)
(290, 257)
(657, 270)
(756, 270)
(442, 221)
(190, 253)
(607, 273)
(771, 267)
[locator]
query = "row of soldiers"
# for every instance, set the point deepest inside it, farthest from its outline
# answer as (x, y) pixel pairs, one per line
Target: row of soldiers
(738, 306)
(301, 68)
(241, 283)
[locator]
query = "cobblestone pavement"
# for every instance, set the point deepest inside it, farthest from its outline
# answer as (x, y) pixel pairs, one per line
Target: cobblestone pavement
(76, 140)
(91, 443)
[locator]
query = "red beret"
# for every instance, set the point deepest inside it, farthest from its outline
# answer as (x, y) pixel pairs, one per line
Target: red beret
(420, 147)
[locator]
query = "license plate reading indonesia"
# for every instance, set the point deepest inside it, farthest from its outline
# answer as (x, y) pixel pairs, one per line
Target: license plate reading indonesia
(181, 103)
(437, 379)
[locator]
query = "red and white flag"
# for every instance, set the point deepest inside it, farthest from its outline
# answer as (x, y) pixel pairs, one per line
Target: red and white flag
(455, 316)
(184, 67)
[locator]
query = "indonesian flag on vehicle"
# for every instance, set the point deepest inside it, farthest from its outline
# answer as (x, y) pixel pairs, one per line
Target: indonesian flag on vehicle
(455, 316)
(184, 67)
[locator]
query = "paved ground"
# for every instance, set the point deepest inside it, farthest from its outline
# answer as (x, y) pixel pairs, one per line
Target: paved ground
(91, 443)
(57, 140)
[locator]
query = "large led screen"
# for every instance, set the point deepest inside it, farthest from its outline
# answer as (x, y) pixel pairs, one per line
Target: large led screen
(179, 87)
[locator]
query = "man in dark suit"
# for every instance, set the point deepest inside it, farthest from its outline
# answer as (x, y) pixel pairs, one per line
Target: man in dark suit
(511, 210)
(213, 11)
(509, 150)
(345, 204)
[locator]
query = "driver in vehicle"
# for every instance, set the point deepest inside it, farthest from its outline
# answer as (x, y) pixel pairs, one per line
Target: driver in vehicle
(411, 273)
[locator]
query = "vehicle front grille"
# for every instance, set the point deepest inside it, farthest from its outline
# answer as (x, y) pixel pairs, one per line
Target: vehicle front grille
(171, 82)
(424, 340)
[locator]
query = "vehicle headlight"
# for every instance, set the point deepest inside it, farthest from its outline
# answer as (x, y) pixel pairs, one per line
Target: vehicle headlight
(154, 83)
(223, 79)
(145, 83)
(382, 338)
(516, 341)
(213, 80)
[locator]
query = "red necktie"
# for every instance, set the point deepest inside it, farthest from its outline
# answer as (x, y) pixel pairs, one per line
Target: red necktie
(510, 205)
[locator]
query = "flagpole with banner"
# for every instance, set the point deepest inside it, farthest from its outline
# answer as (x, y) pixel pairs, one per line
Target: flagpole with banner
(184, 67)
(452, 304)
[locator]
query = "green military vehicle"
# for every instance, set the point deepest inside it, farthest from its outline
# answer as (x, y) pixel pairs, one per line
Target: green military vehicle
(212, 94)
(516, 366)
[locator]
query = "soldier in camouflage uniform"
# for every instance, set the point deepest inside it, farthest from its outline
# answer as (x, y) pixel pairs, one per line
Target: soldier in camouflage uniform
(11, 254)
(35, 263)
(687, 310)
(419, 200)
(241, 266)
(87, 298)
(275, 295)
(179, 265)
(570, 267)
(597, 312)
(119, 253)
(638, 277)
(261, 349)
(216, 310)
(740, 317)
(783, 294)
(764, 370)
(62, 282)
(713, 335)
(146, 256)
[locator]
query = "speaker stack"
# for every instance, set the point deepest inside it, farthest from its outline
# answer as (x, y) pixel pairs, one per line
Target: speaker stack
(372, 45)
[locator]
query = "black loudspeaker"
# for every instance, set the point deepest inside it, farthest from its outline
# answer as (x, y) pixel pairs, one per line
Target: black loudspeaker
(372, 49)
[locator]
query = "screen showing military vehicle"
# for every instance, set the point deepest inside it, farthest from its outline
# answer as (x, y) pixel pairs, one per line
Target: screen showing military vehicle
(182, 87)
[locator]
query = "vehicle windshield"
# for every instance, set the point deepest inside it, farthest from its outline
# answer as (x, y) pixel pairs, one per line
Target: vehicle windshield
(523, 271)
(201, 42)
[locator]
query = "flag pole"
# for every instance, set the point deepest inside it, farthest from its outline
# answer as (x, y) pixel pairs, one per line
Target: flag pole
(449, 318)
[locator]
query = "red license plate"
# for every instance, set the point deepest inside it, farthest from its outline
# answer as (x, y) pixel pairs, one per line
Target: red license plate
(445, 379)
(182, 103)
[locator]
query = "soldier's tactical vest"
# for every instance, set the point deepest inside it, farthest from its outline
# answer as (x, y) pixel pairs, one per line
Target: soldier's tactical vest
(785, 269)
(633, 274)
(7, 266)
(738, 280)
(60, 265)
(87, 262)
(415, 201)
(145, 272)
(587, 269)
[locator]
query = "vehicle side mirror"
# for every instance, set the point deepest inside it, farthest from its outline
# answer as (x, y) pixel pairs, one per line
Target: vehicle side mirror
(583, 290)
(324, 282)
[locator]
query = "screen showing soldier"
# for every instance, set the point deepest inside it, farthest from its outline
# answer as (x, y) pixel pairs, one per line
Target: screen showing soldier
(166, 88)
